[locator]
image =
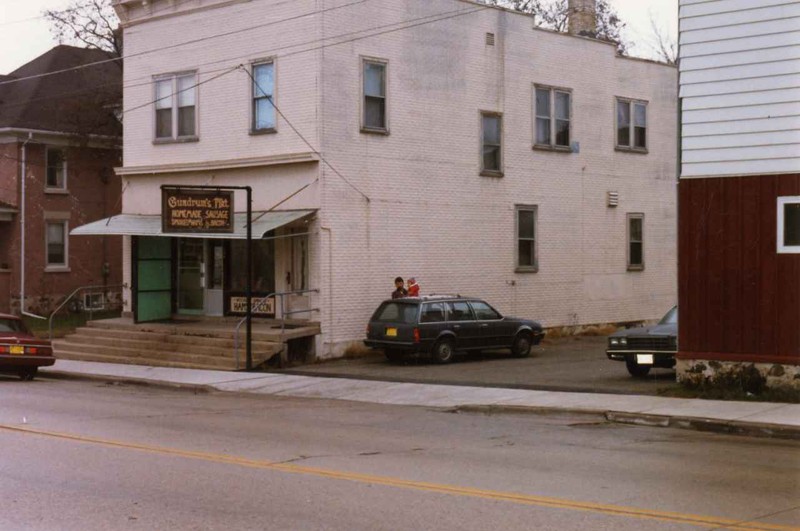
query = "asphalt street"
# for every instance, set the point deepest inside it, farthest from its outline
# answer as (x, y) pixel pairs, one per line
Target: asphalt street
(86, 455)
(576, 364)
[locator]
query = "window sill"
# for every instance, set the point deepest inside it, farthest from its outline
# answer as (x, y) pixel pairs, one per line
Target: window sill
(56, 191)
(635, 268)
(640, 151)
(257, 132)
(179, 140)
(57, 269)
(555, 149)
(371, 131)
(491, 173)
(534, 269)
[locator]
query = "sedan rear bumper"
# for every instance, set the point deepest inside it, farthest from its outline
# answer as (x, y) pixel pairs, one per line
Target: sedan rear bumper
(660, 357)
(11, 362)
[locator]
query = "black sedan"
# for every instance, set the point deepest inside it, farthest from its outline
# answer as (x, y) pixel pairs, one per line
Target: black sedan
(644, 348)
(440, 326)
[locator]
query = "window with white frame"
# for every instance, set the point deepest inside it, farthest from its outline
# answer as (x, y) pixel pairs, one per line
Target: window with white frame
(527, 261)
(56, 243)
(635, 242)
(631, 124)
(553, 111)
(94, 301)
(374, 116)
(789, 224)
(263, 97)
(56, 169)
(491, 144)
(176, 107)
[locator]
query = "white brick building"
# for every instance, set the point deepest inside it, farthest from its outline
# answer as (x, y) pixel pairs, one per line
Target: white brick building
(432, 211)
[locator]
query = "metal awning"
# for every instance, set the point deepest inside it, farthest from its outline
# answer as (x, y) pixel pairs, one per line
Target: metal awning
(150, 225)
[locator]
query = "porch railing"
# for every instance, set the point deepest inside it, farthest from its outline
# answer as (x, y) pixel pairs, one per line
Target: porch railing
(92, 289)
(260, 306)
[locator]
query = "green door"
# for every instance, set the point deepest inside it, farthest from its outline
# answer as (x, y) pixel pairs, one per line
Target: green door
(153, 279)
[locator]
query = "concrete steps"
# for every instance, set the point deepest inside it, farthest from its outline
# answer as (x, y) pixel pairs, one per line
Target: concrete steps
(166, 345)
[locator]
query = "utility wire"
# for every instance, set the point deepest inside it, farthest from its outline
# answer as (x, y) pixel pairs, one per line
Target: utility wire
(321, 157)
(420, 21)
(185, 43)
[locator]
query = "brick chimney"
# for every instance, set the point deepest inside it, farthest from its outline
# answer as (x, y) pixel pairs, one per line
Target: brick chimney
(583, 17)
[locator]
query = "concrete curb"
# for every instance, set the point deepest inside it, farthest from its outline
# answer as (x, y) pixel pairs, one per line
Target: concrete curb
(728, 427)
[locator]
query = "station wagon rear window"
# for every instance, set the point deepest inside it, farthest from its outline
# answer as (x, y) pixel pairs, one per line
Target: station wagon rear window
(12, 325)
(396, 312)
(432, 313)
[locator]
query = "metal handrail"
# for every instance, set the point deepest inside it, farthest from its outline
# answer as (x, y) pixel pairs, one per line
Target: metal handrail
(260, 304)
(71, 295)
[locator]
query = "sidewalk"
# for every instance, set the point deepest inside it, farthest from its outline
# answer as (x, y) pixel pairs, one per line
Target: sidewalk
(750, 418)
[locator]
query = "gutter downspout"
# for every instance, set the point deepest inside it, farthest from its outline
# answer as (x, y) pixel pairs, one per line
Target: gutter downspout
(330, 341)
(23, 180)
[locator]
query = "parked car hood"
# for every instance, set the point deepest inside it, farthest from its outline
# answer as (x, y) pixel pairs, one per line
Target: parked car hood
(653, 330)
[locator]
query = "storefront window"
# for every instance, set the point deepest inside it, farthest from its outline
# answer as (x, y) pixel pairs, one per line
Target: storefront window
(263, 266)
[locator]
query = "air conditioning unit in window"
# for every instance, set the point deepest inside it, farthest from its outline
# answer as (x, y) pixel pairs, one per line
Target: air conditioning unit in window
(94, 301)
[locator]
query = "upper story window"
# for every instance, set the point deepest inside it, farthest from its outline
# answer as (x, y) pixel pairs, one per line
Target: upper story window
(631, 124)
(789, 224)
(263, 97)
(635, 242)
(526, 239)
(491, 144)
(176, 107)
(553, 112)
(374, 116)
(56, 169)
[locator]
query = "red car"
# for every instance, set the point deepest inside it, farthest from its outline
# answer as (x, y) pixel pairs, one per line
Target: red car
(20, 352)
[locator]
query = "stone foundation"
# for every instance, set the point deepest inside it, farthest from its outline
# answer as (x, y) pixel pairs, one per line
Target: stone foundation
(752, 377)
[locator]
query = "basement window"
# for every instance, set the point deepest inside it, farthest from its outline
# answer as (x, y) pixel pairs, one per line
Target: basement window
(789, 225)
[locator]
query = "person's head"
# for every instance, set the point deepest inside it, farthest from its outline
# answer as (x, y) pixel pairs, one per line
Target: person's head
(398, 282)
(412, 281)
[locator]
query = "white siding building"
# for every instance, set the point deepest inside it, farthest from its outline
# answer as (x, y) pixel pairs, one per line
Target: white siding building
(405, 138)
(739, 238)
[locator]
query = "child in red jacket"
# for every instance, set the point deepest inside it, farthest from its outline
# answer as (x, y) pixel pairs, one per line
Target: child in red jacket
(413, 287)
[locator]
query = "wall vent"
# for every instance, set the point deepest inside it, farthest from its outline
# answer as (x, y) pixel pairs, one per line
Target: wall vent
(490, 39)
(613, 199)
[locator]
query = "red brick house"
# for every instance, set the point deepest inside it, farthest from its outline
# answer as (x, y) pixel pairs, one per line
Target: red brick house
(59, 143)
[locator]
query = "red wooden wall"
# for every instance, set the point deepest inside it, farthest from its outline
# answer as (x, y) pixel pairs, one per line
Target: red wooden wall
(739, 299)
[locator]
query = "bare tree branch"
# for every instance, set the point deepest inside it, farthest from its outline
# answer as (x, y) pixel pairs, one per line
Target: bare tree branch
(664, 46)
(90, 23)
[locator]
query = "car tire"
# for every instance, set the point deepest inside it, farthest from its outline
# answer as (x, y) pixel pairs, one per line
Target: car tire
(27, 375)
(521, 348)
(636, 370)
(443, 351)
(395, 356)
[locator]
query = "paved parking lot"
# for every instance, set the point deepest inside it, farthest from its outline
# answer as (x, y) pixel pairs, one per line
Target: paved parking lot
(569, 364)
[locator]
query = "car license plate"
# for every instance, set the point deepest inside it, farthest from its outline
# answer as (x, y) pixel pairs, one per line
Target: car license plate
(391, 332)
(17, 349)
(644, 359)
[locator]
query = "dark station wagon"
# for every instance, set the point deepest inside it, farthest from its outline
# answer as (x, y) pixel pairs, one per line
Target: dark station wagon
(646, 347)
(21, 353)
(439, 326)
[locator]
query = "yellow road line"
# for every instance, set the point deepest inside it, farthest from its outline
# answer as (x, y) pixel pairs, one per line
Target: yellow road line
(523, 499)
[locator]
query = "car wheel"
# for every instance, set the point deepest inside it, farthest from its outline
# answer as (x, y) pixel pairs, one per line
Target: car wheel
(443, 351)
(394, 356)
(27, 375)
(522, 345)
(636, 370)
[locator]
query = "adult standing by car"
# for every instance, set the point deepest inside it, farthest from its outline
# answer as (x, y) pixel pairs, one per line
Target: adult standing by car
(399, 291)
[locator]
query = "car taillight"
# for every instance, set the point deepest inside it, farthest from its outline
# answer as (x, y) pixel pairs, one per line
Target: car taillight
(31, 350)
(3, 349)
(416, 335)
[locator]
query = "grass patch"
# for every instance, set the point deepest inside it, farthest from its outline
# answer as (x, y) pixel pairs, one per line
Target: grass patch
(65, 323)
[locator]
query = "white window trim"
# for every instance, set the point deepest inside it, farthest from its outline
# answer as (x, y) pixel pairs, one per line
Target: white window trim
(363, 60)
(628, 218)
(174, 108)
(90, 297)
(552, 145)
(782, 201)
(252, 111)
(485, 172)
(56, 268)
(631, 127)
(47, 187)
(535, 267)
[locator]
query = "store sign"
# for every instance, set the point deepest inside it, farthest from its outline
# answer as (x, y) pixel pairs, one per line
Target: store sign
(186, 210)
(260, 305)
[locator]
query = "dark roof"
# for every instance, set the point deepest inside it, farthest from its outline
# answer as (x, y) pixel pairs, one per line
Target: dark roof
(78, 101)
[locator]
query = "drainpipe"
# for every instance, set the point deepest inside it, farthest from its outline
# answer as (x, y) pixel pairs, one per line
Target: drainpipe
(22, 231)
(330, 285)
